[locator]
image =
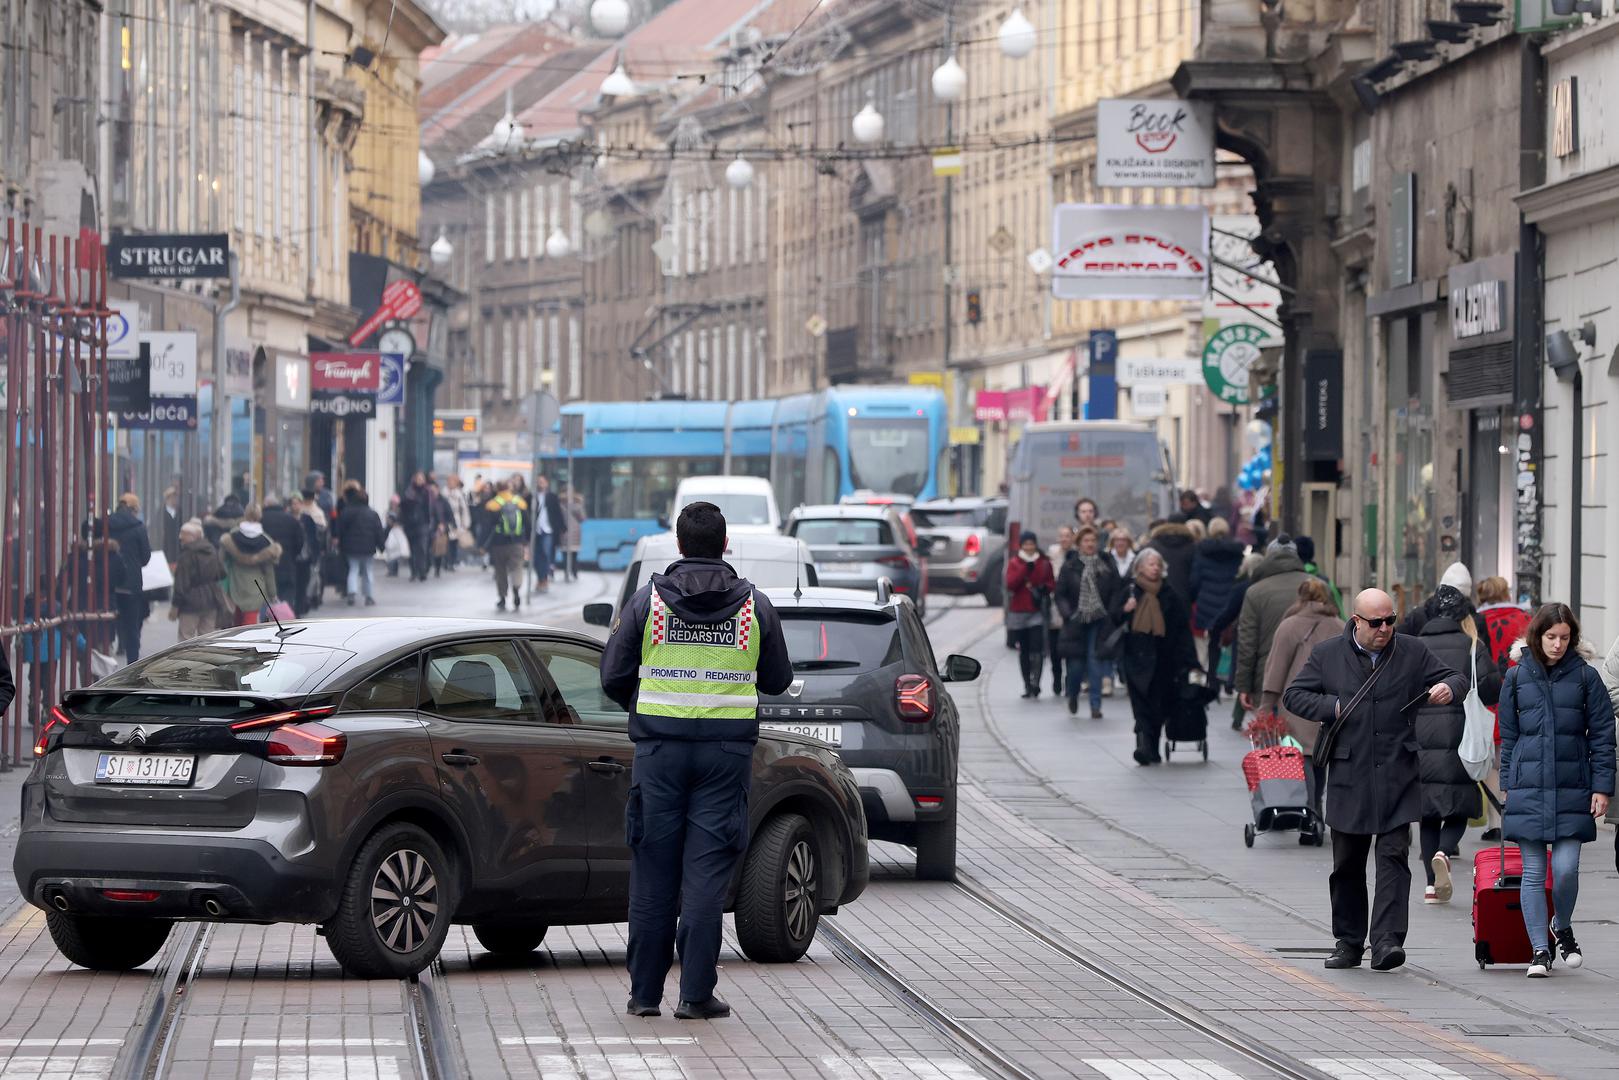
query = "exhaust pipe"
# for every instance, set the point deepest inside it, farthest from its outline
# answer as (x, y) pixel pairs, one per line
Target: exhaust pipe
(59, 901)
(213, 907)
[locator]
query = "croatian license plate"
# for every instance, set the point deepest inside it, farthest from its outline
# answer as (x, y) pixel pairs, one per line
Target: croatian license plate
(827, 733)
(165, 770)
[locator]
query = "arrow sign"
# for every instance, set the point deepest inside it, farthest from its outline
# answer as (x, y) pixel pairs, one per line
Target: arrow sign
(400, 300)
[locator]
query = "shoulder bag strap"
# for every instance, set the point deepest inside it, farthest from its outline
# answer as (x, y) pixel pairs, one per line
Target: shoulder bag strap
(1329, 731)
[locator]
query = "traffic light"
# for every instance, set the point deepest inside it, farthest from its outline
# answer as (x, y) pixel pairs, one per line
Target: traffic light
(975, 307)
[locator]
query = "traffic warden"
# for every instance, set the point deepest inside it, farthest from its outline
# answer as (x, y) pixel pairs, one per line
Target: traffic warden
(688, 657)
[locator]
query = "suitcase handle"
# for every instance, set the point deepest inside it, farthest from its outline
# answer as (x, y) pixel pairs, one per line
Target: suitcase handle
(1500, 808)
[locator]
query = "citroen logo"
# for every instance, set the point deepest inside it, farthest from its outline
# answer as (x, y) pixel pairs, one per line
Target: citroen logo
(796, 688)
(137, 736)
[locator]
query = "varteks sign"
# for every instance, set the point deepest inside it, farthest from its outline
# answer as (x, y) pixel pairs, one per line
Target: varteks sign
(190, 256)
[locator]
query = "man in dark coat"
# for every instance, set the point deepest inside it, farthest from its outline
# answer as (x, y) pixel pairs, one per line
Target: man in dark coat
(285, 530)
(1373, 791)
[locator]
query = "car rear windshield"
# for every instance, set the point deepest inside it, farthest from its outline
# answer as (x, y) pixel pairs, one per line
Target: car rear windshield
(947, 519)
(168, 706)
(840, 640)
(280, 670)
(843, 532)
(739, 508)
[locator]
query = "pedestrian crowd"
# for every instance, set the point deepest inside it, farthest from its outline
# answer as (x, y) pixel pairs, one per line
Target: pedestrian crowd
(1467, 709)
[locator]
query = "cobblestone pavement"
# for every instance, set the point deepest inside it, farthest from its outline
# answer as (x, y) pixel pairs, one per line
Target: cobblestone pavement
(1101, 909)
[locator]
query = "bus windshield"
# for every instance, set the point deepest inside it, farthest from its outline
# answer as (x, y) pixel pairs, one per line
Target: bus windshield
(889, 456)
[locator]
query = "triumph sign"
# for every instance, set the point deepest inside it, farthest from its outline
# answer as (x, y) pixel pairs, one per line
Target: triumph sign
(1154, 142)
(204, 255)
(344, 384)
(1111, 252)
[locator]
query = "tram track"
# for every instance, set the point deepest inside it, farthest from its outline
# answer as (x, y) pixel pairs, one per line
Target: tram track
(429, 1047)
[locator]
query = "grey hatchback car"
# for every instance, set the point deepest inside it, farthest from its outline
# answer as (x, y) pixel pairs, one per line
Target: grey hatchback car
(855, 545)
(385, 778)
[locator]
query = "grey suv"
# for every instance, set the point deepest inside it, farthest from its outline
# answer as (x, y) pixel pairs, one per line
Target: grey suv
(384, 778)
(855, 545)
(867, 682)
(968, 545)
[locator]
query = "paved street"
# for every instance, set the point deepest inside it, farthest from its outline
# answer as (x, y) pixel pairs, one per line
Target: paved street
(1107, 922)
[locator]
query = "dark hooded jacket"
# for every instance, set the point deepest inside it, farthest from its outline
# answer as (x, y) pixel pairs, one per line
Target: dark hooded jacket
(359, 530)
(1214, 572)
(134, 546)
(286, 531)
(701, 591)
(1178, 546)
(1447, 790)
(1557, 749)
(1373, 782)
(1274, 590)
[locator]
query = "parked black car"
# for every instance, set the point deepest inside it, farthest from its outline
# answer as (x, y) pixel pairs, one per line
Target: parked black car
(384, 778)
(867, 683)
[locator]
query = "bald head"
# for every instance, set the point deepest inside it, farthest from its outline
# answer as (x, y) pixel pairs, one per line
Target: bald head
(1374, 619)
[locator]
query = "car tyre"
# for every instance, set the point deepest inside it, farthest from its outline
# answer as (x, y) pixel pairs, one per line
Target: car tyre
(778, 906)
(995, 586)
(510, 939)
(396, 905)
(936, 851)
(106, 943)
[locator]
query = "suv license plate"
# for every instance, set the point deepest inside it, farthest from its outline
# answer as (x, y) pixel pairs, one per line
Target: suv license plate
(827, 733)
(164, 770)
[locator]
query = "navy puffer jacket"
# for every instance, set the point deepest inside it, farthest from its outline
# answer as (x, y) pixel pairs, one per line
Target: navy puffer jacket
(1557, 749)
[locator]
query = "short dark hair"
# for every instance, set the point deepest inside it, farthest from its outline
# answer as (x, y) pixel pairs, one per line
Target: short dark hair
(1548, 616)
(700, 531)
(1082, 500)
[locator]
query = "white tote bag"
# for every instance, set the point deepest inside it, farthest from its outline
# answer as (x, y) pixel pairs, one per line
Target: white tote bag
(155, 574)
(1477, 750)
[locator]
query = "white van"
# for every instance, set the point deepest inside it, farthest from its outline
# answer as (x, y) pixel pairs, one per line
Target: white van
(1124, 466)
(748, 502)
(770, 562)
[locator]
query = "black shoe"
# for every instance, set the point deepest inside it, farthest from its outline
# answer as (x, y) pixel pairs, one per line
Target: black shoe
(635, 1008)
(517, 600)
(1541, 965)
(1492, 835)
(1345, 956)
(1073, 706)
(1096, 714)
(370, 601)
(712, 1009)
(1389, 959)
(1142, 757)
(500, 605)
(1569, 948)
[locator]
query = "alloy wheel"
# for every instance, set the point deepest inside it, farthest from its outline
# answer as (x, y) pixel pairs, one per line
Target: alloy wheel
(404, 900)
(800, 889)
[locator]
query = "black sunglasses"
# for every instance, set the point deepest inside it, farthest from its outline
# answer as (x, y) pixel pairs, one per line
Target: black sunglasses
(1375, 623)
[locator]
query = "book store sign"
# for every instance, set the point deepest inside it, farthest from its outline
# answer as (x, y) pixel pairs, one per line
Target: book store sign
(196, 255)
(1154, 143)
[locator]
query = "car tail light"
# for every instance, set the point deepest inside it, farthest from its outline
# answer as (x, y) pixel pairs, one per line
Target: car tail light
(929, 802)
(58, 718)
(131, 896)
(306, 744)
(280, 719)
(899, 562)
(914, 696)
(973, 545)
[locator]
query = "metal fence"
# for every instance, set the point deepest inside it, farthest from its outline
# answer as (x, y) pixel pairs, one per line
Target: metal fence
(55, 471)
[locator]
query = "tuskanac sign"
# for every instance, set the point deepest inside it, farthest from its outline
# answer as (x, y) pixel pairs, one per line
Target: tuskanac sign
(205, 255)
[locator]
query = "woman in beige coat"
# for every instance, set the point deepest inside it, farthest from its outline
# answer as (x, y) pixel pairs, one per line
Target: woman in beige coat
(1311, 620)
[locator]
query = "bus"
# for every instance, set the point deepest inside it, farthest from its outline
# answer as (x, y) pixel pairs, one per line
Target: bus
(813, 448)
(1124, 466)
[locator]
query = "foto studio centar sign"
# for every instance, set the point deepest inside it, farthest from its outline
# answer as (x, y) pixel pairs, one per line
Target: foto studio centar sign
(198, 255)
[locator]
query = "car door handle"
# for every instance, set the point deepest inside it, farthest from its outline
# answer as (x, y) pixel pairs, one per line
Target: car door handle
(460, 758)
(606, 766)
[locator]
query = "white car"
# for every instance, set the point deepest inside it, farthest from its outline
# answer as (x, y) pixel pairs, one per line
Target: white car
(770, 562)
(748, 502)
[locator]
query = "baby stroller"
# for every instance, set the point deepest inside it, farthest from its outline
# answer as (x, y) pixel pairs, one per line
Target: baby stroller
(1281, 785)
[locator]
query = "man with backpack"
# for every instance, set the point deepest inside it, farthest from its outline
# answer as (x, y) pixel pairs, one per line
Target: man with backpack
(508, 538)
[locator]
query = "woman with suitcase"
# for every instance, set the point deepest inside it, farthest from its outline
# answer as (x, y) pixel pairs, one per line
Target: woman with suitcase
(1557, 768)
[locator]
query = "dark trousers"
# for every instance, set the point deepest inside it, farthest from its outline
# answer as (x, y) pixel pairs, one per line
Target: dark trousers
(1390, 912)
(1149, 705)
(420, 541)
(1031, 643)
(130, 611)
(1440, 834)
(1056, 661)
(687, 826)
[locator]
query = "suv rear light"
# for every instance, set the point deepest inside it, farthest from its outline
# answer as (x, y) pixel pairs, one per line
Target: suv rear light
(914, 696)
(58, 718)
(973, 545)
(306, 744)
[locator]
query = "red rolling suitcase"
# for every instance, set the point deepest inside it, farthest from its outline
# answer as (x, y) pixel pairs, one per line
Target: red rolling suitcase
(1499, 936)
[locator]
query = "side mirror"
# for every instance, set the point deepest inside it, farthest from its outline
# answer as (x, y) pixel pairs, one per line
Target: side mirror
(599, 614)
(811, 575)
(958, 668)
